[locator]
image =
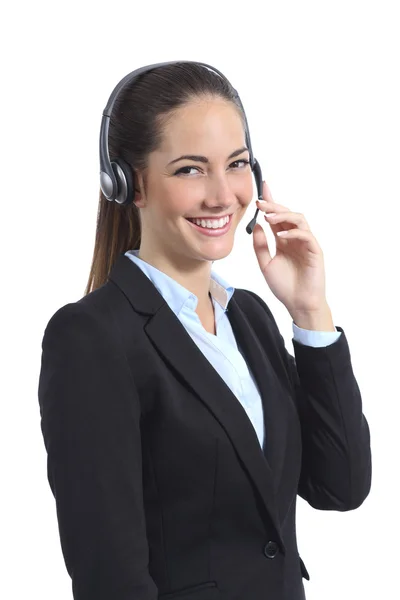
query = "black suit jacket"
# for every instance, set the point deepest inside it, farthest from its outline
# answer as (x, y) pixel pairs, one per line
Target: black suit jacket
(162, 489)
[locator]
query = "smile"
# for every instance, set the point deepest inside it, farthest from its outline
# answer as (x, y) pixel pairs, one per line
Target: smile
(210, 231)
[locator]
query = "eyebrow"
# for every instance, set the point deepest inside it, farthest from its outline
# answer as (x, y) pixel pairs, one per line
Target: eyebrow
(204, 159)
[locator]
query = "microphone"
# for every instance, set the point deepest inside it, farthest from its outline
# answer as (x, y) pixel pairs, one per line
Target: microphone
(259, 183)
(252, 223)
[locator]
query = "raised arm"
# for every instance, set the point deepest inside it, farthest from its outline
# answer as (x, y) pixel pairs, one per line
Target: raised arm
(336, 456)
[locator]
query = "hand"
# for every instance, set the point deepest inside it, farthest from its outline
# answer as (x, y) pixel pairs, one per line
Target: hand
(296, 274)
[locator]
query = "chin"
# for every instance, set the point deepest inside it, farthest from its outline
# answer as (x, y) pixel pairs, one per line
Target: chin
(218, 254)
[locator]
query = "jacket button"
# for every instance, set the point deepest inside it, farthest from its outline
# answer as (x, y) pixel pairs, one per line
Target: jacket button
(271, 549)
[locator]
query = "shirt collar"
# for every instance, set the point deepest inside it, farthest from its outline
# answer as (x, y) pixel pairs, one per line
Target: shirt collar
(176, 295)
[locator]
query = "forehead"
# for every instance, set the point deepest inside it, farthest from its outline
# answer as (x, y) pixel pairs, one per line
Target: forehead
(209, 123)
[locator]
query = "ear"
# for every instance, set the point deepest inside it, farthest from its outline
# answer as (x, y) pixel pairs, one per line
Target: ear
(139, 186)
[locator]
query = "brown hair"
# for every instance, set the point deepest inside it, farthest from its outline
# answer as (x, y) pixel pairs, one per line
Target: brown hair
(136, 124)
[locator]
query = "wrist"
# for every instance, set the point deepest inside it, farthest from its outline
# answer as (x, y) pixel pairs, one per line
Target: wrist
(315, 320)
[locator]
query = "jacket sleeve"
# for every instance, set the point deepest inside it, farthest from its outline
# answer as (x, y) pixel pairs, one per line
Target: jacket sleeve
(90, 421)
(336, 453)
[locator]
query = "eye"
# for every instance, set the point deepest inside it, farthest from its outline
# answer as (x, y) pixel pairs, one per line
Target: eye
(184, 172)
(242, 160)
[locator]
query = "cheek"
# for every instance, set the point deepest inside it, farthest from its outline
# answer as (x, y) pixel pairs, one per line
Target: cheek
(245, 188)
(180, 198)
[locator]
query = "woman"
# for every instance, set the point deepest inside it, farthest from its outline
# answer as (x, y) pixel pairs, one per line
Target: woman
(178, 428)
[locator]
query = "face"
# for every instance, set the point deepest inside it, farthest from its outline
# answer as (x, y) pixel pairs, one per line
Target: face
(214, 182)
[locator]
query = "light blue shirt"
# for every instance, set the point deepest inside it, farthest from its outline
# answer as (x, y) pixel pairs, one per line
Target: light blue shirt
(221, 349)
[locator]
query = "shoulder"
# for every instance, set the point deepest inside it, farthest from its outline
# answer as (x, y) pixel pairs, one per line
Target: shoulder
(87, 319)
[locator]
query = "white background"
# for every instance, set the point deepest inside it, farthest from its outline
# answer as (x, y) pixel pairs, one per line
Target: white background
(320, 85)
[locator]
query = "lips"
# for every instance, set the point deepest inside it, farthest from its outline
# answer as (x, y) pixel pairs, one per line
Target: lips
(212, 232)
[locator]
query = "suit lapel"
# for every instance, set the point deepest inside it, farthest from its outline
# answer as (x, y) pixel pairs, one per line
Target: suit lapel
(185, 358)
(272, 392)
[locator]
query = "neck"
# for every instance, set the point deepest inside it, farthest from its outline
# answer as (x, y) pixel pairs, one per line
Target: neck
(193, 275)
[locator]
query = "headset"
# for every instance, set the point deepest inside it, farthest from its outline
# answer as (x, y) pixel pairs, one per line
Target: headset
(116, 177)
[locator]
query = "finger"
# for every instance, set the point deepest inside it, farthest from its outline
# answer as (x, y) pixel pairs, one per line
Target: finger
(260, 245)
(267, 196)
(288, 217)
(267, 192)
(268, 199)
(268, 206)
(301, 235)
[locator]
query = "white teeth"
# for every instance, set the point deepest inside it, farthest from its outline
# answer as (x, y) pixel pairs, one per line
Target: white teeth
(211, 224)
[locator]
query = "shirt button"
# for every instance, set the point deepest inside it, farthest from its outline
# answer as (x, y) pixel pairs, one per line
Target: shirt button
(271, 549)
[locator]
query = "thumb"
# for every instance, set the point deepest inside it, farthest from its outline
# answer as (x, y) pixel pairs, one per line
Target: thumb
(260, 245)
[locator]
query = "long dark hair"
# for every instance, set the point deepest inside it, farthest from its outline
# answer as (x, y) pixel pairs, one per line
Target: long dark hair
(136, 125)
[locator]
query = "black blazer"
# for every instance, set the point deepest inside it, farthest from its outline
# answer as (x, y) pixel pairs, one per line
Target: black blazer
(162, 489)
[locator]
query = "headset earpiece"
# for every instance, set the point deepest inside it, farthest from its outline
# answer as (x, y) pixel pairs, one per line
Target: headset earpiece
(124, 176)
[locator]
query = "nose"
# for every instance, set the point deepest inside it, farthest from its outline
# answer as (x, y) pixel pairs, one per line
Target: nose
(219, 192)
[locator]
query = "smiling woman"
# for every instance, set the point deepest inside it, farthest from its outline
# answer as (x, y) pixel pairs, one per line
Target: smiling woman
(179, 429)
(200, 123)
(189, 160)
